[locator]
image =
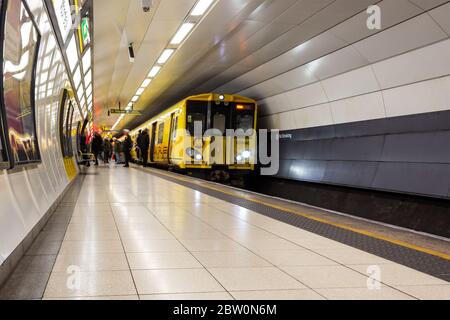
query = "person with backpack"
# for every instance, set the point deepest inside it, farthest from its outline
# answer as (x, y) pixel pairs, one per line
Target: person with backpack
(145, 145)
(127, 146)
(97, 146)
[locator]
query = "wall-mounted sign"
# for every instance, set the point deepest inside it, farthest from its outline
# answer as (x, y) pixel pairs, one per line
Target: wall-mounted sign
(85, 33)
(64, 16)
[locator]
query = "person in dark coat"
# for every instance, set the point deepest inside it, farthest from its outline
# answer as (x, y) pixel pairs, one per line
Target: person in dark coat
(97, 146)
(138, 146)
(107, 150)
(127, 145)
(145, 144)
(84, 150)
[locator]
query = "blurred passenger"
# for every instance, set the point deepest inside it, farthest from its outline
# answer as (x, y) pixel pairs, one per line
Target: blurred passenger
(145, 144)
(97, 146)
(127, 146)
(107, 149)
(117, 150)
(84, 150)
(138, 146)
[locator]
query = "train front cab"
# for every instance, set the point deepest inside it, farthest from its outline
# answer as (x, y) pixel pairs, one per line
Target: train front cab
(192, 136)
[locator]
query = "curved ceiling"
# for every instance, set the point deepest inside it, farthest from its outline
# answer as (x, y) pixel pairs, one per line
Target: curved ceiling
(235, 37)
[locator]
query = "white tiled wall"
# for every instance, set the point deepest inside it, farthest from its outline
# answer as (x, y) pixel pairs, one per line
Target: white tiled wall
(27, 194)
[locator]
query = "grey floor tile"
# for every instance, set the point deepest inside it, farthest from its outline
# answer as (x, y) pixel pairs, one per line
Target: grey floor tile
(24, 286)
(39, 264)
(55, 235)
(44, 248)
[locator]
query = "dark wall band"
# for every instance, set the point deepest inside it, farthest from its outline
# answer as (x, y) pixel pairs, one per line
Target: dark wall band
(407, 154)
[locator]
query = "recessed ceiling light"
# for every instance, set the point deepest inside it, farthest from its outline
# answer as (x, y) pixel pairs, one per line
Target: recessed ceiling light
(201, 7)
(182, 33)
(146, 83)
(140, 91)
(135, 98)
(154, 71)
(165, 56)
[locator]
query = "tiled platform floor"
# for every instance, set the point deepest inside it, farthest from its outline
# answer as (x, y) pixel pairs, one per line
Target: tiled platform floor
(132, 235)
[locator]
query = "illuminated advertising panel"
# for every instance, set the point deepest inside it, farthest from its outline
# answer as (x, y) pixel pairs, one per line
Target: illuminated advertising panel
(64, 17)
(21, 43)
(4, 161)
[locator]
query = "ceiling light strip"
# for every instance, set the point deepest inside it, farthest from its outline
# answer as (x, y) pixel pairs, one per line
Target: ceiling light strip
(193, 18)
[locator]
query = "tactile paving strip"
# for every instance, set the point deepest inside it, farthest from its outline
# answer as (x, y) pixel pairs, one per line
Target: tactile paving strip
(420, 261)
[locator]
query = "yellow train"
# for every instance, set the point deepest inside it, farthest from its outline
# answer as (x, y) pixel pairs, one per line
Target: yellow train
(213, 134)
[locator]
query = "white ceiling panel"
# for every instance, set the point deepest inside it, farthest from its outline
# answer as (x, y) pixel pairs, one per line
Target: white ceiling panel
(256, 47)
(412, 34)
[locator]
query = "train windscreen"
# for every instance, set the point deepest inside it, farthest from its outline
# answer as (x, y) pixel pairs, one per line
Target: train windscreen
(222, 116)
(197, 112)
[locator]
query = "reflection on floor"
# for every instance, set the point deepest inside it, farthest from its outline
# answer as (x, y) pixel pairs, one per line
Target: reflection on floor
(127, 234)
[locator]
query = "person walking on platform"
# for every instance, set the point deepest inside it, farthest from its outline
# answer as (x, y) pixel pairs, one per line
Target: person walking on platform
(107, 149)
(138, 146)
(127, 145)
(117, 150)
(145, 144)
(97, 146)
(84, 147)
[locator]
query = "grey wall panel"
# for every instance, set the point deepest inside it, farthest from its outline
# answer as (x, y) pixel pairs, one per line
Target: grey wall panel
(351, 173)
(368, 154)
(324, 132)
(308, 170)
(362, 128)
(285, 167)
(418, 178)
(418, 147)
(317, 149)
(432, 121)
(357, 149)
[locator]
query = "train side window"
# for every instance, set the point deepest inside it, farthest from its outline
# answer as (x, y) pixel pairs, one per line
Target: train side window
(160, 133)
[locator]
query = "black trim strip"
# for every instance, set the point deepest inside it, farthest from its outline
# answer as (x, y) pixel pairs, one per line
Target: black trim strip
(3, 130)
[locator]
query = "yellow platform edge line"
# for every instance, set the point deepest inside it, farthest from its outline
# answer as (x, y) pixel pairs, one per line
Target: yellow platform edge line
(335, 224)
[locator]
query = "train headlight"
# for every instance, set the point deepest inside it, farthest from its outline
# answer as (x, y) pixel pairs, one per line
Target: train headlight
(194, 154)
(244, 155)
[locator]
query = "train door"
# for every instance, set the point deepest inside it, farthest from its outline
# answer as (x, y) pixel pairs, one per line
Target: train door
(172, 137)
(220, 122)
(153, 142)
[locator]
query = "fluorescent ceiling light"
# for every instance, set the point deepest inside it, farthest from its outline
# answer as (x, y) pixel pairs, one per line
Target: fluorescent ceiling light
(201, 7)
(182, 33)
(135, 98)
(154, 71)
(140, 91)
(165, 56)
(146, 83)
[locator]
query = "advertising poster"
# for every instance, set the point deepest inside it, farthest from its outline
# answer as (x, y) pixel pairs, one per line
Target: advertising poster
(3, 152)
(21, 40)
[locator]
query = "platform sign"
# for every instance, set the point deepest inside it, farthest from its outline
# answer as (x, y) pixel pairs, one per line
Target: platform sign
(63, 16)
(85, 33)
